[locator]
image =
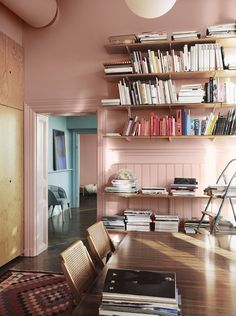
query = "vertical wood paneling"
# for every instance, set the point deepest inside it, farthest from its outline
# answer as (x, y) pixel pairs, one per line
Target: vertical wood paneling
(11, 184)
(154, 166)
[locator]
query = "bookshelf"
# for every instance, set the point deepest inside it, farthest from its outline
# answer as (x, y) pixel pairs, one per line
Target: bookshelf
(156, 160)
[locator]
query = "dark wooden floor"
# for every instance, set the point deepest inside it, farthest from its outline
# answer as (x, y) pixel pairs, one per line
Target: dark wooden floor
(60, 236)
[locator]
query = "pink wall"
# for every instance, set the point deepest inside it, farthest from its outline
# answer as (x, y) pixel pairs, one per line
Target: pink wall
(88, 158)
(64, 72)
(64, 61)
(10, 24)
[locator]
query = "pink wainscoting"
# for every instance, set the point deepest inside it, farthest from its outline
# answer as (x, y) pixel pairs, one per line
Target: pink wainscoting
(10, 24)
(88, 159)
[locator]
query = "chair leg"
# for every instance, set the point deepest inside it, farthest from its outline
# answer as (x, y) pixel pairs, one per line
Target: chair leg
(52, 210)
(70, 214)
(62, 214)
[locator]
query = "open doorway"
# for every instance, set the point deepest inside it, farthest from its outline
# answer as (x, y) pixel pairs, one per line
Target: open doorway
(76, 176)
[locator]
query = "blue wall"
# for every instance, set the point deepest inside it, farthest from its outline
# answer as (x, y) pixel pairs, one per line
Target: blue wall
(69, 178)
(86, 124)
(62, 178)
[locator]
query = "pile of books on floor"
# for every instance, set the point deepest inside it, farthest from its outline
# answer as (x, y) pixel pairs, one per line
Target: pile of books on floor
(114, 222)
(167, 223)
(190, 225)
(185, 35)
(219, 30)
(152, 37)
(116, 67)
(138, 219)
(140, 292)
(225, 226)
(183, 186)
(123, 186)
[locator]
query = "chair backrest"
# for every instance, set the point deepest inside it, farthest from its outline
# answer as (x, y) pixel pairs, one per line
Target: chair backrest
(78, 269)
(51, 199)
(62, 193)
(100, 243)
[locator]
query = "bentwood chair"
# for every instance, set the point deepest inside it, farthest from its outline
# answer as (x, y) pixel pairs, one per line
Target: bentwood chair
(78, 269)
(100, 243)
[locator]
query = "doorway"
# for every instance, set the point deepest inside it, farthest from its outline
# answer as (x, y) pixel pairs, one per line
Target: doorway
(80, 148)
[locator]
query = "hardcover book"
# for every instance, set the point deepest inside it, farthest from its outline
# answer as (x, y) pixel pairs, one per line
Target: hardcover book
(141, 285)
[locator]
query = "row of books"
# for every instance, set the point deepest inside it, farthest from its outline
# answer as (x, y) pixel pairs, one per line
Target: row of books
(200, 57)
(218, 30)
(140, 292)
(165, 92)
(181, 125)
(141, 220)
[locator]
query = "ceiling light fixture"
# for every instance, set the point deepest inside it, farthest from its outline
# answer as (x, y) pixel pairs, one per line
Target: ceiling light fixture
(150, 9)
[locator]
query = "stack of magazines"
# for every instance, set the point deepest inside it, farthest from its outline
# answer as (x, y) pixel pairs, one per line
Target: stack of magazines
(138, 219)
(185, 35)
(190, 225)
(114, 222)
(218, 30)
(139, 292)
(167, 223)
(123, 186)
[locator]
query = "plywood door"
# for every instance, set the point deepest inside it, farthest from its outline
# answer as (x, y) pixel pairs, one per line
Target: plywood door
(11, 183)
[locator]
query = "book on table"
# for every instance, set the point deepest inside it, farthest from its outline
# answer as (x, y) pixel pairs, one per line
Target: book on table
(139, 292)
(141, 285)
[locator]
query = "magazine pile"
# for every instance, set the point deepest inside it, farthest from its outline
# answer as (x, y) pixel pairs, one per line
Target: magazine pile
(139, 292)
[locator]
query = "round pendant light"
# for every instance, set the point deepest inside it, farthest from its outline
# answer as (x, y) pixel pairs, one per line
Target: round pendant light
(150, 8)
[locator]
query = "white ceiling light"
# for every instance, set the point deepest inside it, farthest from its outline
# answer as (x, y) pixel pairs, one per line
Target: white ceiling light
(150, 8)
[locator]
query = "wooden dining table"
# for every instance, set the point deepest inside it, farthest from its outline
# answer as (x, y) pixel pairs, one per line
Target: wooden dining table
(205, 267)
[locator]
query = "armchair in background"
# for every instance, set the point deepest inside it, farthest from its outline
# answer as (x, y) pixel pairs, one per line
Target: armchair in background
(57, 196)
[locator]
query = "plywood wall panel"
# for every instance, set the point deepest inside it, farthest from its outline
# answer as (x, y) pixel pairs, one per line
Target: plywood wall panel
(11, 183)
(15, 74)
(3, 69)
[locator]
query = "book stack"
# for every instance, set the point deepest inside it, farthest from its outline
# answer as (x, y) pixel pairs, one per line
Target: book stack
(183, 186)
(167, 223)
(154, 190)
(219, 190)
(152, 37)
(139, 292)
(122, 39)
(117, 67)
(221, 30)
(106, 102)
(191, 93)
(114, 222)
(190, 225)
(123, 186)
(185, 35)
(138, 220)
(225, 226)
